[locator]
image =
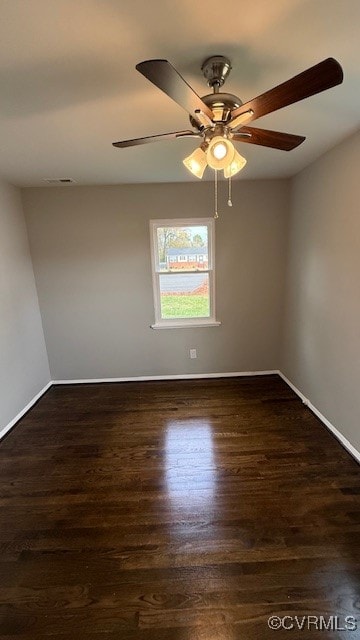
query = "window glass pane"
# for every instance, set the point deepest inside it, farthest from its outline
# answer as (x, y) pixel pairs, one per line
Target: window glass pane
(184, 295)
(182, 248)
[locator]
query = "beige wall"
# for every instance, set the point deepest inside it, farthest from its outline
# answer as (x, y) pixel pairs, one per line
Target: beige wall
(24, 369)
(321, 350)
(91, 256)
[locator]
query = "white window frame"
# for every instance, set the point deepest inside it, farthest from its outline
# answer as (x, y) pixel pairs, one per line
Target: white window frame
(181, 323)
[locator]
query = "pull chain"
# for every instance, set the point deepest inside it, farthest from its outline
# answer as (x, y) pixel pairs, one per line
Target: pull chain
(229, 199)
(216, 215)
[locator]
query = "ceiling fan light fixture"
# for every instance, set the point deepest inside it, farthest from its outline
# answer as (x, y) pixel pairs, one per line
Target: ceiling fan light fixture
(220, 153)
(196, 162)
(236, 165)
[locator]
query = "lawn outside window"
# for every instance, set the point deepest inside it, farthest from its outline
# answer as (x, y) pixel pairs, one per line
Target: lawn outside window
(183, 269)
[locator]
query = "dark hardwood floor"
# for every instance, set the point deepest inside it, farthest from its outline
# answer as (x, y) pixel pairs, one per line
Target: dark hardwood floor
(187, 510)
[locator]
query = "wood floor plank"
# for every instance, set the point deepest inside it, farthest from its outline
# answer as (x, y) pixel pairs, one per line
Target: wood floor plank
(187, 510)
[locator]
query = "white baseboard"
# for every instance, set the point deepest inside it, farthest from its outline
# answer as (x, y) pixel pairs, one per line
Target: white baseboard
(13, 422)
(345, 443)
(192, 376)
(184, 376)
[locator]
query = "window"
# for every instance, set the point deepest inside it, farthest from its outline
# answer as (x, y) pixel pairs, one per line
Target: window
(182, 254)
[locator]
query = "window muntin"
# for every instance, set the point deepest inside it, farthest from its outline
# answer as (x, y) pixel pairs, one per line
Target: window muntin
(183, 272)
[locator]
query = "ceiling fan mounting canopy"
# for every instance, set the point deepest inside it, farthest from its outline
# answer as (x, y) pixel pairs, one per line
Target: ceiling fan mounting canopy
(216, 69)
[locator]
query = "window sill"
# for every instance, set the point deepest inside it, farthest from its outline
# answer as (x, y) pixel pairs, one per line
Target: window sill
(185, 325)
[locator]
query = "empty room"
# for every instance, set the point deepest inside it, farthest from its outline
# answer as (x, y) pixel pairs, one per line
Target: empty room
(179, 320)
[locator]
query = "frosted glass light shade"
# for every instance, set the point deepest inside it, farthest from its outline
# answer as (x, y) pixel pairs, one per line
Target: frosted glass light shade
(236, 165)
(196, 162)
(220, 153)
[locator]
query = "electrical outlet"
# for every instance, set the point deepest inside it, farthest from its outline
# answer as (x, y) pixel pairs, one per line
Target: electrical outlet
(193, 353)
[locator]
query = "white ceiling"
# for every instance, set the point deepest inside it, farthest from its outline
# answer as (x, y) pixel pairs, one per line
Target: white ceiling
(69, 88)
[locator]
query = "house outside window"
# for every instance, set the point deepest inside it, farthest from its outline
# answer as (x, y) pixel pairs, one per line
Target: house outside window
(183, 267)
(195, 255)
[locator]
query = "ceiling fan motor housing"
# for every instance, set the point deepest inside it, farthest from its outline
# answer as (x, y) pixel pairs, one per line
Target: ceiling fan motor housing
(221, 104)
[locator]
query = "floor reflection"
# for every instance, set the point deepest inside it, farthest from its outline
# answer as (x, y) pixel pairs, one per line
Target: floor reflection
(190, 471)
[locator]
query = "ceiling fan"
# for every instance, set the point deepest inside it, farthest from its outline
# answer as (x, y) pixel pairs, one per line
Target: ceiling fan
(219, 119)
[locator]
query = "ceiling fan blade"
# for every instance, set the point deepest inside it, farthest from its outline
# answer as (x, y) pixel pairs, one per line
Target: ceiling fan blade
(266, 138)
(322, 76)
(157, 138)
(164, 76)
